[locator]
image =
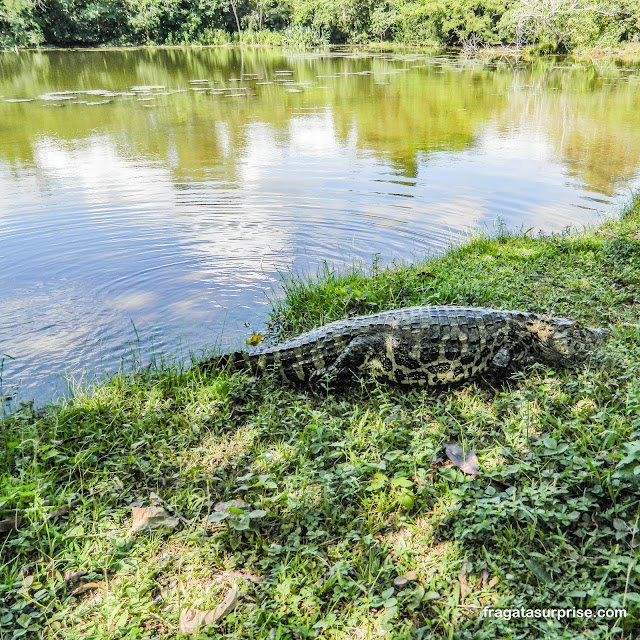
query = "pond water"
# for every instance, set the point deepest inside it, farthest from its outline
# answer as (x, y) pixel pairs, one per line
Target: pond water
(151, 199)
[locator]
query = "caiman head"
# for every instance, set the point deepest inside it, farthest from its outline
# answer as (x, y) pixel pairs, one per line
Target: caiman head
(563, 340)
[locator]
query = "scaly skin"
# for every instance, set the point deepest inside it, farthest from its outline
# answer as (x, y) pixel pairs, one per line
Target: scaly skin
(422, 346)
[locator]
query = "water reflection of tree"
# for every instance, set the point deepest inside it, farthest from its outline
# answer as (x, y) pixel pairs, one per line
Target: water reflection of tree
(394, 110)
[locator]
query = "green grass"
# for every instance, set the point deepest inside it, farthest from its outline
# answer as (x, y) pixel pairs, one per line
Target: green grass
(349, 490)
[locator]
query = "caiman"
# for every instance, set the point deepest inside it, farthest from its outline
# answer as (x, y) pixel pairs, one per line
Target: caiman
(432, 345)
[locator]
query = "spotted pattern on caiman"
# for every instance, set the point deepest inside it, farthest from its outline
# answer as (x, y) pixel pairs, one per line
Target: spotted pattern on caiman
(422, 346)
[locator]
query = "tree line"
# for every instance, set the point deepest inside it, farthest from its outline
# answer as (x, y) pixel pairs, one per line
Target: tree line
(548, 25)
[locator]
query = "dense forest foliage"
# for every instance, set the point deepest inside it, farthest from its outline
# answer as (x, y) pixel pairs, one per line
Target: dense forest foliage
(549, 25)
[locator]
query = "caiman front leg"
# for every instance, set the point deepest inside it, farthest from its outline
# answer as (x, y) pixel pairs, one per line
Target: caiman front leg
(506, 356)
(503, 357)
(352, 358)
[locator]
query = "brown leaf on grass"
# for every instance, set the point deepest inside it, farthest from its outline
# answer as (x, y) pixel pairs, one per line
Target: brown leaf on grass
(462, 579)
(238, 503)
(493, 582)
(156, 499)
(88, 586)
(71, 577)
(27, 581)
(192, 620)
(71, 439)
(63, 511)
(150, 518)
(466, 461)
(400, 581)
(10, 524)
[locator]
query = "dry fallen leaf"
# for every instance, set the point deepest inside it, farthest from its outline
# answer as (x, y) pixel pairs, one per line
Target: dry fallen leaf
(466, 461)
(192, 620)
(156, 499)
(70, 577)
(399, 581)
(88, 586)
(153, 517)
(462, 579)
(238, 503)
(63, 511)
(27, 581)
(10, 524)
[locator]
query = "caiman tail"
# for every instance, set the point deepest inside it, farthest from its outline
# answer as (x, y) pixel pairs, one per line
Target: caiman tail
(236, 361)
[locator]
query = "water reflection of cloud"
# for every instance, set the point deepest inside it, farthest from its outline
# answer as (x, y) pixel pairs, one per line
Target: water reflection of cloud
(526, 140)
(136, 300)
(48, 333)
(101, 173)
(135, 247)
(223, 137)
(313, 135)
(345, 204)
(19, 193)
(463, 211)
(517, 174)
(188, 307)
(202, 217)
(58, 342)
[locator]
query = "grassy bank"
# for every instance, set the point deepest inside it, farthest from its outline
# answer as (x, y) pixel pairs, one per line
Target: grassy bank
(353, 524)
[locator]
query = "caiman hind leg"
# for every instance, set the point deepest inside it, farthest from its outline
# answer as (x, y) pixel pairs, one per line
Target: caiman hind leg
(354, 356)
